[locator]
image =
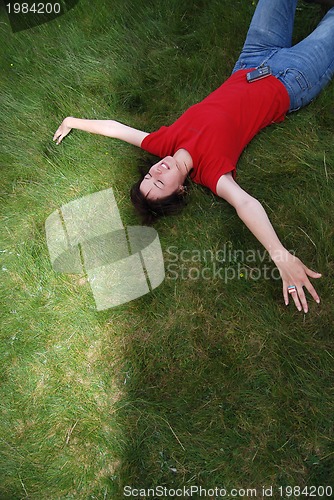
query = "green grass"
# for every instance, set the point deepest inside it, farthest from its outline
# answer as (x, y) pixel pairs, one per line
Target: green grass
(205, 382)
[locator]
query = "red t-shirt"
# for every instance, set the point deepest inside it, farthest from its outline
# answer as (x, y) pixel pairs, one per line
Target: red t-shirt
(216, 130)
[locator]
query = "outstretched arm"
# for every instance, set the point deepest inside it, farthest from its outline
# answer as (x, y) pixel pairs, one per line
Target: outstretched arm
(252, 213)
(109, 128)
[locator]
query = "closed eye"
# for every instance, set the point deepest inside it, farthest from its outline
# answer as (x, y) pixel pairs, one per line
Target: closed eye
(148, 176)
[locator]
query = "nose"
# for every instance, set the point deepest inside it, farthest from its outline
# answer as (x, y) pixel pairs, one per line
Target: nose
(156, 170)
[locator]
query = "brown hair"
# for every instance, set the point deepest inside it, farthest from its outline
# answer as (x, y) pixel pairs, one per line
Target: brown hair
(151, 210)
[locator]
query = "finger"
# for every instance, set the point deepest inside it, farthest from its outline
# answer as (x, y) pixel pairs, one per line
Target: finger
(312, 274)
(312, 291)
(285, 294)
(57, 133)
(296, 299)
(303, 300)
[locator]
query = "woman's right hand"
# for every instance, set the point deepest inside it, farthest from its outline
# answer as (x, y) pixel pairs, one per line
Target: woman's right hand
(62, 130)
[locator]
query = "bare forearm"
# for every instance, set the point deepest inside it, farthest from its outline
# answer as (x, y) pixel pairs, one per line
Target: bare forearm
(255, 218)
(292, 270)
(101, 127)
(108, 128)
(251, 212)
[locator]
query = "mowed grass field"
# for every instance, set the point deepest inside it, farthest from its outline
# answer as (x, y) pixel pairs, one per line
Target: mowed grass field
(209, 380)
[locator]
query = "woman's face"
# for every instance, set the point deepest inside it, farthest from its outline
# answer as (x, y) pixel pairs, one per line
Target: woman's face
(163, 179)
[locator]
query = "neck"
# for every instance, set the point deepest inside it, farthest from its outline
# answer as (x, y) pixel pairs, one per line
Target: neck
(183, 161)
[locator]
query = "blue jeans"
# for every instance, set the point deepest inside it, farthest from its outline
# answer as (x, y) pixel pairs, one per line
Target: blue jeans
(305, 68)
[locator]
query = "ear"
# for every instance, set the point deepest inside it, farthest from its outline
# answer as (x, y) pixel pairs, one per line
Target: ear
(181, 189)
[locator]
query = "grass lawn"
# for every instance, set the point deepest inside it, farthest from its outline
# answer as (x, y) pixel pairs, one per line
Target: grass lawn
(207, 381)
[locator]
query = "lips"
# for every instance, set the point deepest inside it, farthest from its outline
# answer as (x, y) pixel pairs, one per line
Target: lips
(164, 165)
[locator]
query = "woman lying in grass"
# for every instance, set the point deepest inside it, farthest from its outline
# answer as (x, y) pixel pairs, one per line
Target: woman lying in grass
(207, 140)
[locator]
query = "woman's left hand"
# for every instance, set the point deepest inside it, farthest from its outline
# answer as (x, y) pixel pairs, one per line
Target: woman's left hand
(295, 274)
